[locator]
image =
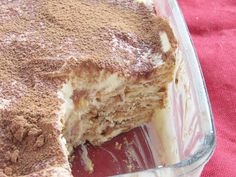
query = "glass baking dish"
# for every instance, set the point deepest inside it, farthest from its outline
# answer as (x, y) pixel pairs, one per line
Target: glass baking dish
(180, 139)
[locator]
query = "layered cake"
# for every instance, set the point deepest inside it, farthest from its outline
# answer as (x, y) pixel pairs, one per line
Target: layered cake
(73, 71)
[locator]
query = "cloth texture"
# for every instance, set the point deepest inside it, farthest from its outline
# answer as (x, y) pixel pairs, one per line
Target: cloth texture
(212, 24)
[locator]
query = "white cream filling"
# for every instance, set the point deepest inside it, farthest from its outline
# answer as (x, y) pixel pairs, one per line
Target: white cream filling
(65, 94)
(165, 41)
(147, 3)
(110, 84)
(157, 60)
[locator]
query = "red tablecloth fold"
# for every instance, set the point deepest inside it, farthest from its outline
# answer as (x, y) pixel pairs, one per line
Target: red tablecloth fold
(212, 24)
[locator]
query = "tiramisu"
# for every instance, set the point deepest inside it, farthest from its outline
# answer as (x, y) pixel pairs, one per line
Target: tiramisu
(73, 71)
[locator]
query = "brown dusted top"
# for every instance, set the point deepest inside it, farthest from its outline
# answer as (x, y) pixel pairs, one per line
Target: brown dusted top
(39, 39)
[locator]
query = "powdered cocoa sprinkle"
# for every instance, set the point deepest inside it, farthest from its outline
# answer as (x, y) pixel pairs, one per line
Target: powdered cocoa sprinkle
(40, 42)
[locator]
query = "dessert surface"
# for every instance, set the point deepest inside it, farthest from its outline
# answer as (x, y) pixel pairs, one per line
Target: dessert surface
(76, 70)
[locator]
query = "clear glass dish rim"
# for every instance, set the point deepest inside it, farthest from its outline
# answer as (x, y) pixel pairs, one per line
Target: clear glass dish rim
(207, 153)
(200, 157)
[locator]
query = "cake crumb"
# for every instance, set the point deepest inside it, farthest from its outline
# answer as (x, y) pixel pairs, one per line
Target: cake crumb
(118, 146)
(87, 162)
(40, 141)
(8, 171)
(130, 167)
(34, 132)
(18, 128)
(14, 156)
(8, 155)
(19, 134)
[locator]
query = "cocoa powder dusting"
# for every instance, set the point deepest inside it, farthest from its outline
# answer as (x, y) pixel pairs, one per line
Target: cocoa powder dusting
(38, 39)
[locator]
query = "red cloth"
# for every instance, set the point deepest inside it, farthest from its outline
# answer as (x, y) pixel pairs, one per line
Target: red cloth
(212, 24)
